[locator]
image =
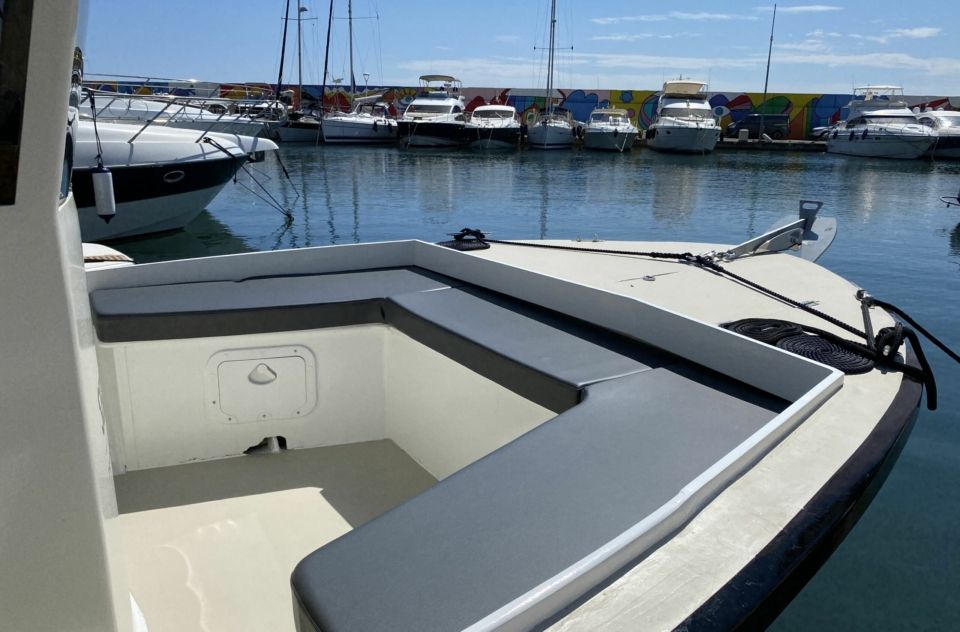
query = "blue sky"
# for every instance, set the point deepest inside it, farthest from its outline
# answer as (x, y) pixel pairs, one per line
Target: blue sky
(627, 45)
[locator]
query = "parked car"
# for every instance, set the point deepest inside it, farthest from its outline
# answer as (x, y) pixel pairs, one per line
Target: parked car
(776, 126)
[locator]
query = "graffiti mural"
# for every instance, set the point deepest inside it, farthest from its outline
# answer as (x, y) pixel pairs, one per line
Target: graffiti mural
(806, 111)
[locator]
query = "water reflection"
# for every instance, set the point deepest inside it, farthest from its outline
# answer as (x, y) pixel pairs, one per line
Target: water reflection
(205, 236)
(955, 241)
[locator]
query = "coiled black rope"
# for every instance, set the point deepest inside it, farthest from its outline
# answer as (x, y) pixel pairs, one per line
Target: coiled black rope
(842, 353)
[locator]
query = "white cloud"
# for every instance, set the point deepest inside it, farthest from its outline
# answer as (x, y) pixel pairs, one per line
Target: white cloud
(630, 18)
(810, 45)
(803, 8)
(507, 39)
(822, 33)
(622, 37)
(921, 32)
(673, 15)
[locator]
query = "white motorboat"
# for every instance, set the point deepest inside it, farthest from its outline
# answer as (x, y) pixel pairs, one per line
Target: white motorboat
(554, 127)
(173, 111)
(946, 125)
(493, 126)
(436, 117)
(685, 122)
(163, 177)
(880, 125)
(370, 122)
(609, 129)
(409, 436)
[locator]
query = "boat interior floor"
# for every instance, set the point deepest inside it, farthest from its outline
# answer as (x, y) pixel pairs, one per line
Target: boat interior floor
(258, 515)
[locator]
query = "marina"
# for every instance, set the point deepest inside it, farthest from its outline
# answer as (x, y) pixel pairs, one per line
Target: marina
(331, 358)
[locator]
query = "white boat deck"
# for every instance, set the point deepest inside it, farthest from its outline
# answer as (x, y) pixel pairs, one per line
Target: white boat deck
(257, 515)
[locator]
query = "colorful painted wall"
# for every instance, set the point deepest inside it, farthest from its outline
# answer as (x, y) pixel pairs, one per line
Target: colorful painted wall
(806, 111)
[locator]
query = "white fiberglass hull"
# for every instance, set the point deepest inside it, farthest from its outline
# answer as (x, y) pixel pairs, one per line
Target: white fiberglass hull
(149, 215)
(879, 144)
(550, 136)
(359, 130)
(609, 139)
(683, 139)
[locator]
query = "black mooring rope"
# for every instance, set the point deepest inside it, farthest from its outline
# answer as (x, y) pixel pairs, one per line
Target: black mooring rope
(272, 202)
(846, 355)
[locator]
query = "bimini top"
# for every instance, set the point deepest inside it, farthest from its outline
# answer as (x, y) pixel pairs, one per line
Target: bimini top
(684, 88)
(445, 78)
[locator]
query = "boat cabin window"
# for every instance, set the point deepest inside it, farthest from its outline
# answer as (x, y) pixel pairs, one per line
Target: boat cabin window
(492, 114)
(684, 111)
(943, 121)
(427, 108)
(892, 120)
(15, 17)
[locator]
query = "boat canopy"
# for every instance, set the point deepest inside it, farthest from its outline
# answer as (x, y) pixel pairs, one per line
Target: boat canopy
(431, 78)
(684, 88)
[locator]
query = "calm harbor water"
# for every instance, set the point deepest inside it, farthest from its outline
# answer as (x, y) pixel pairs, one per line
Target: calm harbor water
(900, 567)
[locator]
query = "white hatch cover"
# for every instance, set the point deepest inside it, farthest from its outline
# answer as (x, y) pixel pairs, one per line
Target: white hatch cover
(247, 385)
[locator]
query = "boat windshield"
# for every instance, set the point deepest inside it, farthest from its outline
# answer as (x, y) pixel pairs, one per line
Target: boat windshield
(949, 121)
(604, 117)
(422, 108)
(888, 120)
(683, 111)
(492, 114)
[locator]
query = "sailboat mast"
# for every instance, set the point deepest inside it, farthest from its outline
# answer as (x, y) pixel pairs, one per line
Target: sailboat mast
(553, 27)
(326, 57)
(283, 49)
(766, 78)
(299, 57)
(353, 82)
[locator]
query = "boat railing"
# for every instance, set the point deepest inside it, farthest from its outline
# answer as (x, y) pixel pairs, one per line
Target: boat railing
(214, 110)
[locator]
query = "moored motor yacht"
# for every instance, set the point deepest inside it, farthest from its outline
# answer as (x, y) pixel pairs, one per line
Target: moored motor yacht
(163, 177)
(370, 122)
(493, 126)
(609, 129)
(685, 121)
(880, 125)
(280, 440)
(946, 125)
(436, 117)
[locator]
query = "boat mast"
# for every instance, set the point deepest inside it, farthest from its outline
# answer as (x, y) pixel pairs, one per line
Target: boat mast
(326, 57)
(766, 79)
(300, 10)
(353, 82)
(283, 50)
(553, 26)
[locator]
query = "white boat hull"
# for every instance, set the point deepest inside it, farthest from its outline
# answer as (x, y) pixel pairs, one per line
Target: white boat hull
(683, 139)
(142, 217)
(609, 140)
(551, 136)
(879, 145)
(347, 130)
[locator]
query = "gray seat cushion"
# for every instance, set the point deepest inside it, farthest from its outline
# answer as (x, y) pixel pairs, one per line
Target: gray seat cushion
(498, 528)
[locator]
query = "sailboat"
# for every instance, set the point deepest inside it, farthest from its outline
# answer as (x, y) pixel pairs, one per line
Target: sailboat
(370, 120)
(300, 126)
(554, 127)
